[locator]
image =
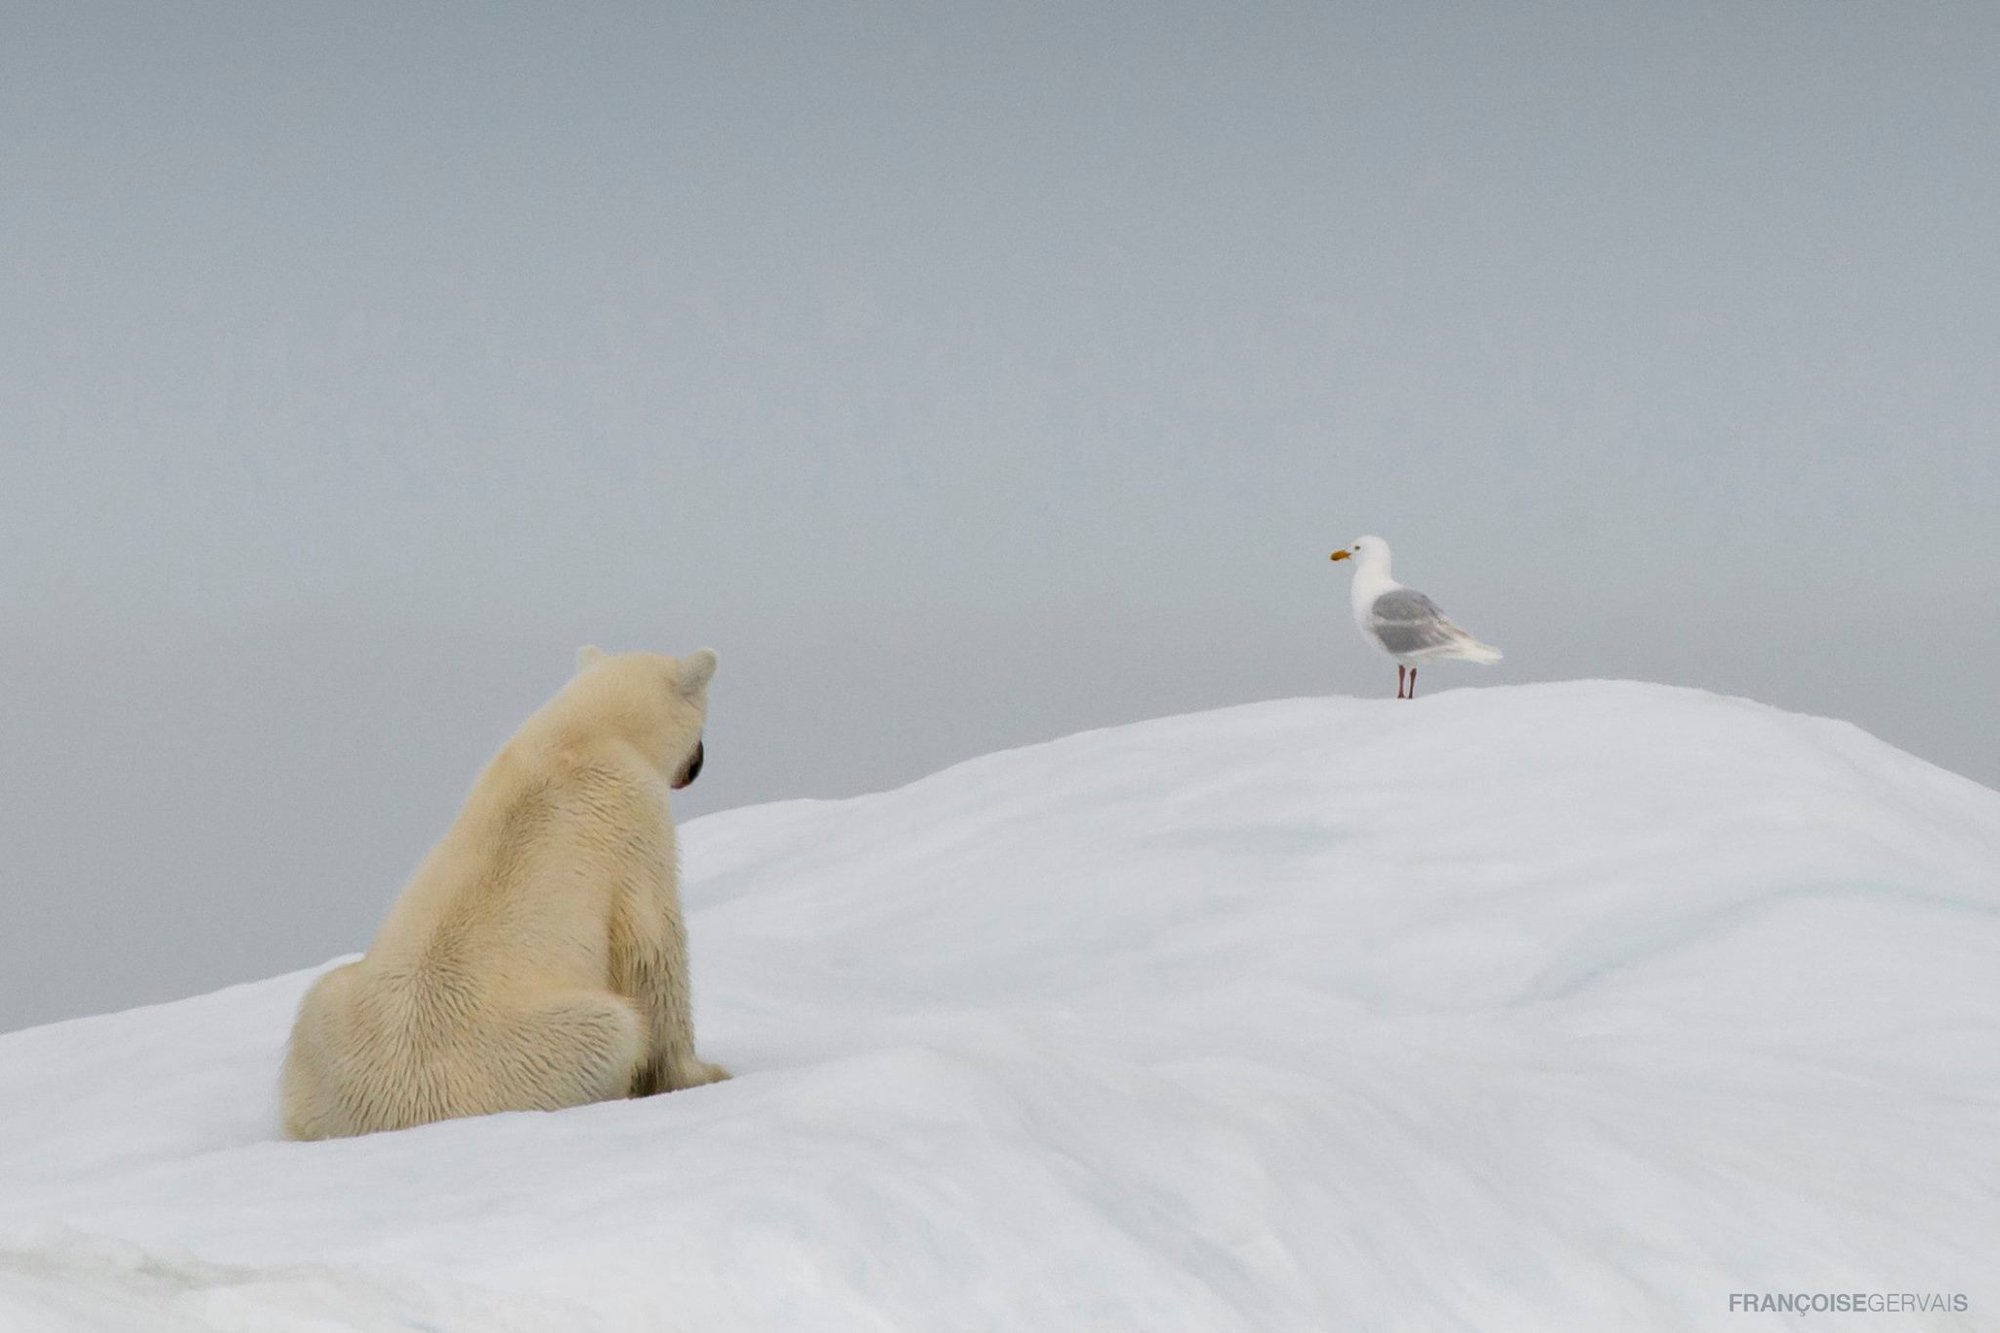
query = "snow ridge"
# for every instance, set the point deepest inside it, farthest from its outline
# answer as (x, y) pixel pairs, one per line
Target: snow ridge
(1555, 1006)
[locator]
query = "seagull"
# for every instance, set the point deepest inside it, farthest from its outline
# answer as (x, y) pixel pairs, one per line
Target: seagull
(1401, 621)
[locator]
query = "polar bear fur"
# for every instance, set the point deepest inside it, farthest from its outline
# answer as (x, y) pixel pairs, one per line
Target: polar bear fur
(537, 959)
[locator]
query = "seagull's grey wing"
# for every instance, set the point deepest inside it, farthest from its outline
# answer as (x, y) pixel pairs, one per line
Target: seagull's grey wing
(1409, 623)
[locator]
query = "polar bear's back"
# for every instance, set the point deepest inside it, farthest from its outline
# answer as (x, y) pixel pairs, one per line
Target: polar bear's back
(524, 884)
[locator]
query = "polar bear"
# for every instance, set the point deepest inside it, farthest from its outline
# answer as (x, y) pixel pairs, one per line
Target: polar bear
(537, 958)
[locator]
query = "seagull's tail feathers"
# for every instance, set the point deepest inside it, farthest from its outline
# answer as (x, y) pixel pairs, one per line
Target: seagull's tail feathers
(1472, 650)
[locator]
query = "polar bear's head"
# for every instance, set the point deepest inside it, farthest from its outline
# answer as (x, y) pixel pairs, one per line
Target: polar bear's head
(657, 703)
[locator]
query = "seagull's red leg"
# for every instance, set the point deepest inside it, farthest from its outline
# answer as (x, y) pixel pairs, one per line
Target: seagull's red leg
(1413, 682)
(1399, 680)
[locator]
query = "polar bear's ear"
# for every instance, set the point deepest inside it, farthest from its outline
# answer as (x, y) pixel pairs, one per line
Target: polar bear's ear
(697, 668)
(587, 656)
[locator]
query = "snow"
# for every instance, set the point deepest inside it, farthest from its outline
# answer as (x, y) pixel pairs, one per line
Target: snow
(1574, 1006)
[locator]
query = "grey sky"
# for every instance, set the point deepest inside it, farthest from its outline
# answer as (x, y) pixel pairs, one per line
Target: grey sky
(965, 374)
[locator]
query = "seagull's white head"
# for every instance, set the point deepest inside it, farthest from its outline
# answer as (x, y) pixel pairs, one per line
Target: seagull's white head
(1367, 552)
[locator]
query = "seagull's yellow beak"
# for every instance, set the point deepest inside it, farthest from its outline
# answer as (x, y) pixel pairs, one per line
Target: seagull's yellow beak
(1340, 555)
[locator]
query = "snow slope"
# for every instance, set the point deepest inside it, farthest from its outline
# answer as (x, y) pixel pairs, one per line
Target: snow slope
(1555, 1007)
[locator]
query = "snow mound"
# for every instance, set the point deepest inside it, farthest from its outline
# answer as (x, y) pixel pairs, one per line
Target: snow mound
(1551, 1007)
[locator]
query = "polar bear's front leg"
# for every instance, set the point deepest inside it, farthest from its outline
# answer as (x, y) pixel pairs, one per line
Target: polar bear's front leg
(659, 980)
